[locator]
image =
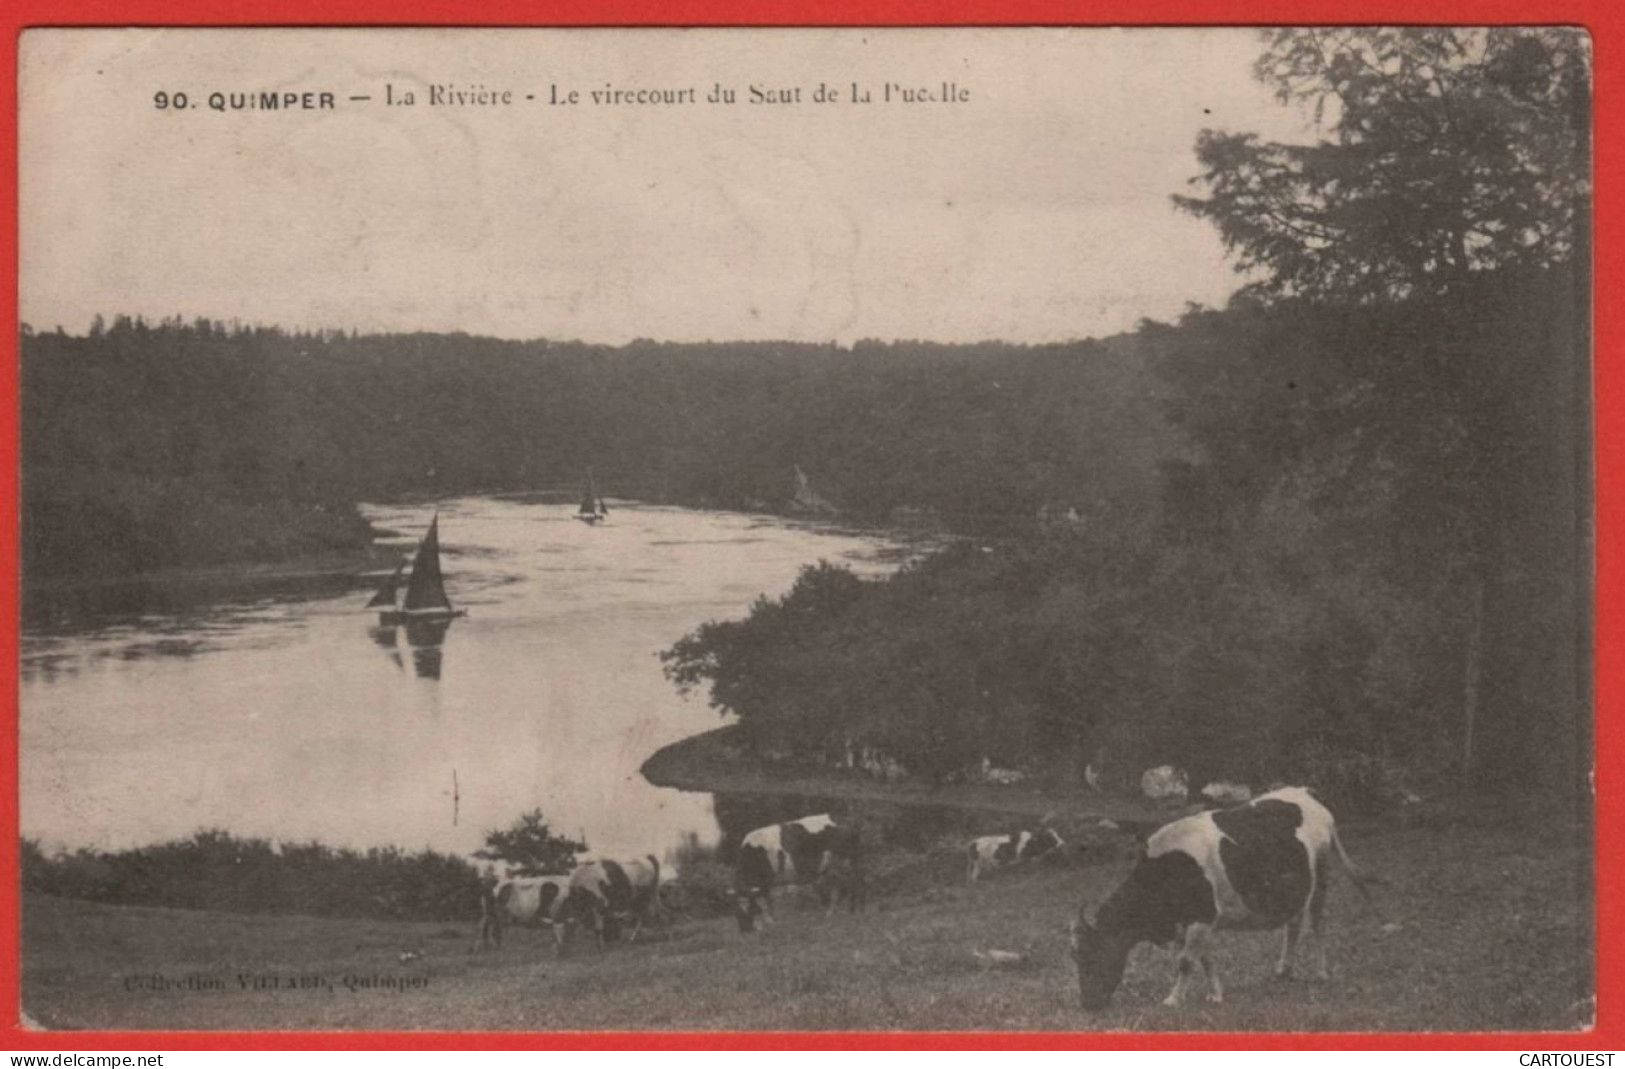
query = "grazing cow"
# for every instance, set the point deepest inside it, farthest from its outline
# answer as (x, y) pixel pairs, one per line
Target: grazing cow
(1257, 866)
(604, 894)
(998, 851)
(796, 851)
(532, 900)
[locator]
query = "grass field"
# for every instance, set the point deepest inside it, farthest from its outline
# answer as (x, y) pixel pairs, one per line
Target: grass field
(1486, 926)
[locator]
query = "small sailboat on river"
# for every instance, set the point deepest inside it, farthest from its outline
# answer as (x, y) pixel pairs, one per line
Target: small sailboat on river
(425, 599)
(592, 508)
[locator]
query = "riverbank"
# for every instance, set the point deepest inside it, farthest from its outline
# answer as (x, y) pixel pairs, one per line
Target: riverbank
(65, 602)
(716, 762)
(83, 527)
(328, 564)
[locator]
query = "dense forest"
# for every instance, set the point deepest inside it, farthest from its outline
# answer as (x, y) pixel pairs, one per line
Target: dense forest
(173, 443)
(1382, 527)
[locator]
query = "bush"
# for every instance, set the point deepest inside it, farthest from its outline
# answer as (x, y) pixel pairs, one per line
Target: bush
(216, 870)
(1348, 781)
(703, 882)
(529, 847)
(701, 889)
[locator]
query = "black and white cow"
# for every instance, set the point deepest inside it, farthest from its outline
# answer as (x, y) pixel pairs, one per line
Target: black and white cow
(795, 852)
(605, 894)
(998, 851)
(528, 900)
(1261, 865)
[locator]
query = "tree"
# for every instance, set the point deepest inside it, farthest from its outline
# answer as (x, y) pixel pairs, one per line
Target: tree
(530, 845)
(1453, 151)
(1454, 188)
(755, 667)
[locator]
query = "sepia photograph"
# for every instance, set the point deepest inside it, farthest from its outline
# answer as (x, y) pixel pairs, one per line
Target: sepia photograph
(1067, 530)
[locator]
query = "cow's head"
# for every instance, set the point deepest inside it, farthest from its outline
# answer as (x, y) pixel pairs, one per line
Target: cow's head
(1042, 843)
(843, 841)
(746, 909)
(1101, 959)
(579, 908)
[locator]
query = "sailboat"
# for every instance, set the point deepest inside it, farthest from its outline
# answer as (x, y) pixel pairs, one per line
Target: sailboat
(425, 590)
(592, 507)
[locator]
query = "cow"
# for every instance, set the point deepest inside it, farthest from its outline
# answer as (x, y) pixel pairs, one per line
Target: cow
(1261, 865)
(795, 852)
(604, 894)
(531, 900)
(998, 851)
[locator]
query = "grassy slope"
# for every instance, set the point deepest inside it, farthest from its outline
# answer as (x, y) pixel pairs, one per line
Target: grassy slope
(1494, 934)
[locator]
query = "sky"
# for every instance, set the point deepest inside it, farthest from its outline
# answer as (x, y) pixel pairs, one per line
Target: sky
(1035, 210)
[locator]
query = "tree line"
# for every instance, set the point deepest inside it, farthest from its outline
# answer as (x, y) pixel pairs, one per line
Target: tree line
(147, 445)
(1358, 528)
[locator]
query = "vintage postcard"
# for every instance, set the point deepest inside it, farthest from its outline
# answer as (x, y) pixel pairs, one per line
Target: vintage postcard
(1081, 530)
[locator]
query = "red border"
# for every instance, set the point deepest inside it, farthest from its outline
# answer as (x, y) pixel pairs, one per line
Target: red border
(1604, 20)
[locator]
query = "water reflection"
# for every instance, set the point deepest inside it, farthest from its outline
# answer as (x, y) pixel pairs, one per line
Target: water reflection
(388, 639)
(426, 637)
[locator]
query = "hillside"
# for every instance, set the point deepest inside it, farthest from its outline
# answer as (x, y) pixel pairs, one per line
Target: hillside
(1486, 927)
(147, 445)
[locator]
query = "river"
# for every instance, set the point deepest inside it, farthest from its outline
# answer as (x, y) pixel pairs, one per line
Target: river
(290, 715)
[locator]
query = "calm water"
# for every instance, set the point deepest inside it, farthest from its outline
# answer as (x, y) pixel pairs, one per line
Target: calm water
(294, 717)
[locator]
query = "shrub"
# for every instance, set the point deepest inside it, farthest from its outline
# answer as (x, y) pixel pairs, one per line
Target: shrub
(1348, 781)
(216, 870)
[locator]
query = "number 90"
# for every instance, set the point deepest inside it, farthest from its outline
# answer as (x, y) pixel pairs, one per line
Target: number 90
(163, 101)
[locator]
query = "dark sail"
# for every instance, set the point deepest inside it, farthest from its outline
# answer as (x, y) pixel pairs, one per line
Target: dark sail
(426, 590)
(386, 593)
(591, 504)
(589, 498)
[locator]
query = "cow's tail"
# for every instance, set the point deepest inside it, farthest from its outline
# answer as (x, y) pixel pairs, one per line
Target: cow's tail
(655, 906)
(490, 929)
(1361, 879)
